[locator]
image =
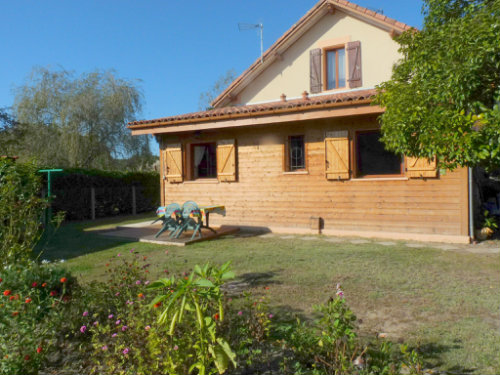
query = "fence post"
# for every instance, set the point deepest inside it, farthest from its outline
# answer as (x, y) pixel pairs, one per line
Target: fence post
(134, 208)
(92, 202)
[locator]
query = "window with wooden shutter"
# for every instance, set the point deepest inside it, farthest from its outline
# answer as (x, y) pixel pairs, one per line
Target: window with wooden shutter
(173, 162)
(337, 155)
(315, 71)
(354, 64)
(420, 167)
(226, 160)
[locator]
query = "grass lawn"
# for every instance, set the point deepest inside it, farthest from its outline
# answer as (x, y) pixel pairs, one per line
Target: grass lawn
(446, 302)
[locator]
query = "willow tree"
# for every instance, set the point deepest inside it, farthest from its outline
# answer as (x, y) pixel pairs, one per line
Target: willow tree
(444, 96)
(79, 121)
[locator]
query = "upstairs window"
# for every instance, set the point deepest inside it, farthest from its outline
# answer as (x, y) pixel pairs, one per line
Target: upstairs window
(204, 160)
(373, 160)
(296, 153)
(335, 72)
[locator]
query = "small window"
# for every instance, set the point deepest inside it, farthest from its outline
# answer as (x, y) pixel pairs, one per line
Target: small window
(204, 161)
(372, 157)
(296, 154)
(335, 69)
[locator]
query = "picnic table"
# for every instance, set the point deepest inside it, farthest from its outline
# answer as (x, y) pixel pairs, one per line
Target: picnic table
(204, 214)
(189, 217)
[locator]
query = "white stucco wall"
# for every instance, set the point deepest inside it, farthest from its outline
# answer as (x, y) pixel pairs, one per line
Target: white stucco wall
(291, 75)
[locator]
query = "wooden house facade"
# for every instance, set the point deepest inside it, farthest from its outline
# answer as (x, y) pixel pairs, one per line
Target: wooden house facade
(293, 144)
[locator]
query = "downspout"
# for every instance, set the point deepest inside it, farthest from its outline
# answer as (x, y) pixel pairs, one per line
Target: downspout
(471, 206)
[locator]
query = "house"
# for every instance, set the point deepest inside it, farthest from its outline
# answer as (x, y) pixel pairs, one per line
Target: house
(293, 143)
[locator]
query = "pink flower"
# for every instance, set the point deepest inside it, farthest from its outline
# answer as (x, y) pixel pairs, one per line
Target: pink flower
(105, 347)
(119, 255)
(176, 347)
(147, 328)
(270, 316)
(124, 328)
(83, 329)
(110, 316)
(146, 282)
(129, 302)
(125, 351)
(117, 294)
(114, 335)
(118, 322)
(138, 282)
(85, 313)
(240, 313)
(95, 324)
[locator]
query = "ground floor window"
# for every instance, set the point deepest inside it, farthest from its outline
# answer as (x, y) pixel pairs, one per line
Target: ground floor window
(372, 159)
(296, 153)
(204, 160)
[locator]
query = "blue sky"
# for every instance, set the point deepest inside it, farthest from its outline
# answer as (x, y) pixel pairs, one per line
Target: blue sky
(176, 48)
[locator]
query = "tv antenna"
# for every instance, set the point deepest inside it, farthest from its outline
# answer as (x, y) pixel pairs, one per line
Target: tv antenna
(252, 26)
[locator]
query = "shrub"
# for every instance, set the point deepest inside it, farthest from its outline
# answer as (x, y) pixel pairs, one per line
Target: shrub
(21, 209)
(33, 311)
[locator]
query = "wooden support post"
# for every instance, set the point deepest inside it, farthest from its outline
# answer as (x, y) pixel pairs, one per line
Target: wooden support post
(134, 208)
(92, 203)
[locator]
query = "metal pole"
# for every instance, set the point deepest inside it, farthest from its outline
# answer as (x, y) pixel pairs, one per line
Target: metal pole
(134, 209)
(261, 43)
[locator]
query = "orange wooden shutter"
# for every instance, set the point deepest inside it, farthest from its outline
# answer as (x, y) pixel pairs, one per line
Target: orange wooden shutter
(353, 50)
(417, 168)
(315, 70)
(337, 155)
(226, 160)
(173, 162)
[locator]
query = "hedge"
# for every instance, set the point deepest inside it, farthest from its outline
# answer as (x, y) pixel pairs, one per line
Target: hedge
(71, 192)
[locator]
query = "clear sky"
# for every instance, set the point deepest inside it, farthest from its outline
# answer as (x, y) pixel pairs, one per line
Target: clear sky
(176, 48)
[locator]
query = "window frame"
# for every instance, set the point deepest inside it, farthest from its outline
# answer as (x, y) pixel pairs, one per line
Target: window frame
(324, 62)
(287, 156)
(355, 157)
(190, 172)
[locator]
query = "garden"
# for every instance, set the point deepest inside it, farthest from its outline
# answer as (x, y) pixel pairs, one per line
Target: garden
(245, 304)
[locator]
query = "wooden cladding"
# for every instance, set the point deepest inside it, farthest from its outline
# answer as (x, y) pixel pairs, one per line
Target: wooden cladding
(354, 64)
(226, 160)
(420, 168)
(337, 155)
(173, 163)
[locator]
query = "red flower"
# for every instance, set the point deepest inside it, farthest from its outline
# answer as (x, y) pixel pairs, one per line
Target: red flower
(15, 313)
(39, 349)
(27, 357)
(1, 279)
(53, 293)
(28, 300)
(216, 316)
(266, 288)
(11, 298)
(34, 285)
(63, 279)
(107, 264)
(140, 295)
(156, 305)
(6, 293)
(44, 285)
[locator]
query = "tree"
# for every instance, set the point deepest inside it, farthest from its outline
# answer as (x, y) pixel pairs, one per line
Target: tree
(207, 97)
(81, 121)
(10, 133)
(444, 96)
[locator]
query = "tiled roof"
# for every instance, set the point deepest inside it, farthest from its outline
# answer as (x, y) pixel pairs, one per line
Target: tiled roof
(303, 104)
(304, 22)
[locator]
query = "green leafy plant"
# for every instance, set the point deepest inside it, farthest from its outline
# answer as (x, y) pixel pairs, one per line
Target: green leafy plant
(34, 306)
(489, 221)
(198, 299)
(412, 360)
(21, 209)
